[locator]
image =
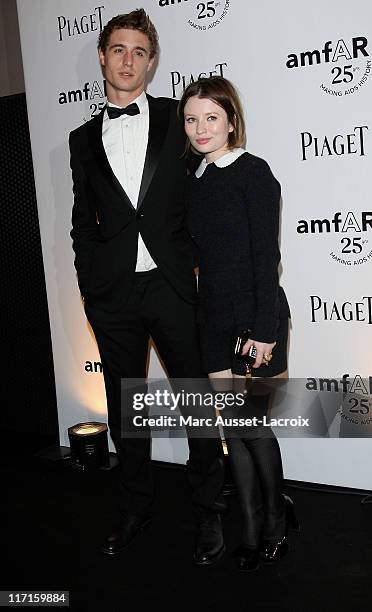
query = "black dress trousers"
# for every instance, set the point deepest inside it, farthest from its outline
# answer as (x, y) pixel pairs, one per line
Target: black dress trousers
(154, 309)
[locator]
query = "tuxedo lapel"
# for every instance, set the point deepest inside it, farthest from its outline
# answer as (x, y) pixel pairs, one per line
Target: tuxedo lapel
(158, 126)
(99, 154)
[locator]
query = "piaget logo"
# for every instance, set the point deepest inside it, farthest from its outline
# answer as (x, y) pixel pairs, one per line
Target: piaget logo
(180, 81)
(201, 16)
(331, 310)
(75, 25)
(336, 144)
(344, 64)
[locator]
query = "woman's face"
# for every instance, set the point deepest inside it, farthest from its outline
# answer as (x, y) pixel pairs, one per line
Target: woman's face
(207, 127)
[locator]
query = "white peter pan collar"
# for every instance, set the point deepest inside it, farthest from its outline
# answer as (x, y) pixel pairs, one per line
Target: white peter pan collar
(221, 162)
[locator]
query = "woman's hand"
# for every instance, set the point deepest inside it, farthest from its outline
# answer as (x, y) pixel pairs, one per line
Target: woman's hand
(263, 350)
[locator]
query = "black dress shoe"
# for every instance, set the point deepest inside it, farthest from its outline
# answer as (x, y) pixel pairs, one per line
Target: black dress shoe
(273, 551)
(209, 543)
(290, 515)
(247, 559)
(119, 539)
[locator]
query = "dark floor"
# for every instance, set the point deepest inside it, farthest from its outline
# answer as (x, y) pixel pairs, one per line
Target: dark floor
(57, 517)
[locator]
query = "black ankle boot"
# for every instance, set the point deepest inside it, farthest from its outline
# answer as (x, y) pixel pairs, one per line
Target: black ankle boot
(273, 551)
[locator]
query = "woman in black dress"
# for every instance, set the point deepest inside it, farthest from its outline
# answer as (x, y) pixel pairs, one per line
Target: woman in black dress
(233, 218)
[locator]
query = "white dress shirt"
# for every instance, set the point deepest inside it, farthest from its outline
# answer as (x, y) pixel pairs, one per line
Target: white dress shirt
(125, 142)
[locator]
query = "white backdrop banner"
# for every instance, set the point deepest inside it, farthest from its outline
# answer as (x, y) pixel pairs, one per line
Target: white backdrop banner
(304, 75)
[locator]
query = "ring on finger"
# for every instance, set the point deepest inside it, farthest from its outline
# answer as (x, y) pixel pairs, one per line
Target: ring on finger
(267, 358)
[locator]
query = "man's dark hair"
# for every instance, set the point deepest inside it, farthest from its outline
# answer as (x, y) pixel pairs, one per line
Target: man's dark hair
(136, 20)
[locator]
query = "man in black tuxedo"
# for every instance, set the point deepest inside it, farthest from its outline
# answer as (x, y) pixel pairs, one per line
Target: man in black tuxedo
(134, 265)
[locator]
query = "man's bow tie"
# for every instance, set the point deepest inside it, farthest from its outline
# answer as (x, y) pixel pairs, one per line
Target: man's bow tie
(114, 113)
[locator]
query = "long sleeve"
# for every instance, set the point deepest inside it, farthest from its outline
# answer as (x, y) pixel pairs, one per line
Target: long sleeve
(84, 231)
(263, 199)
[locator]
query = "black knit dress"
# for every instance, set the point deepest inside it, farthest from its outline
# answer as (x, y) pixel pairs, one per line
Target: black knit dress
(233, 218)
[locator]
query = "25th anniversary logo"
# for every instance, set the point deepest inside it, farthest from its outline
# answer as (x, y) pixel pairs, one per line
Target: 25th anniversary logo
(343, 63)
(201, 16)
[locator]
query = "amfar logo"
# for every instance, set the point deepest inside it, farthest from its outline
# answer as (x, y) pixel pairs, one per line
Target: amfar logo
(90, 91)
(355, 396)
(354, 248)
(74, 26)
(345, 385)
(180, 81)
(323, 310)
(201, 16)
(340, 144)
(351, 72)
(93, 367)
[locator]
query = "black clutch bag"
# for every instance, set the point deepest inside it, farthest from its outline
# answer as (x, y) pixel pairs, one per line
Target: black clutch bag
(250, 357)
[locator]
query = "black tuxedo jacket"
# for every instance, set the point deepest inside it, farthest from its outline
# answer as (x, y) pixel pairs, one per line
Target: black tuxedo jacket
(105, 225)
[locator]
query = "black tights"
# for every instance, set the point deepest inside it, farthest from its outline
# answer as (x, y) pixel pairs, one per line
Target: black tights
(256, 465)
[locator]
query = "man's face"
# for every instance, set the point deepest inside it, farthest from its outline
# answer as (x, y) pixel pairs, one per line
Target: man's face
(126, 61)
